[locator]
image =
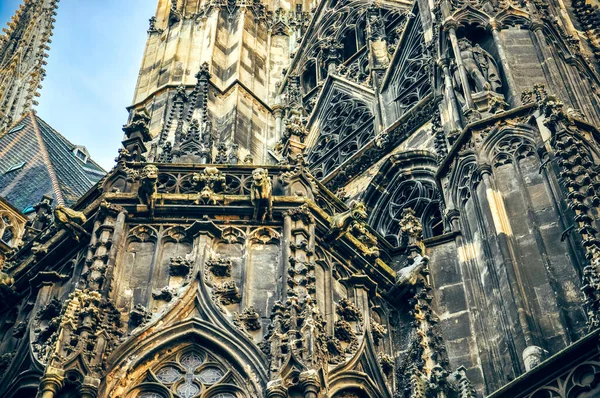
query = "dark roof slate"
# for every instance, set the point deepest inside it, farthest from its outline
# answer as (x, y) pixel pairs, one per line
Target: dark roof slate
(50, 166)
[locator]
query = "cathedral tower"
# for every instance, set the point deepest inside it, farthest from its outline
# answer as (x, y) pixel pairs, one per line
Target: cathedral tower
(244, 47)
(23, 49)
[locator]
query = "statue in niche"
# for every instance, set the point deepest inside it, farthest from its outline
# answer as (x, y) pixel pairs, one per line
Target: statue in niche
(481, 69)
(480, 66)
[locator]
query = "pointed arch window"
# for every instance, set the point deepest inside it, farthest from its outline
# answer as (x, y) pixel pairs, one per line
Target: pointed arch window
(192, 373)
(406, 181)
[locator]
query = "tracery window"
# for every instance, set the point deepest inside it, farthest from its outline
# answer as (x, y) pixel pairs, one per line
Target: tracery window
(192, 373)
(410, 81)
(419, 195)
(346, 126)
(7, 229)
(345, 23)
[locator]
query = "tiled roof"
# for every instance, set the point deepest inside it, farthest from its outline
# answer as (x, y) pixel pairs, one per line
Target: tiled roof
(36, 160)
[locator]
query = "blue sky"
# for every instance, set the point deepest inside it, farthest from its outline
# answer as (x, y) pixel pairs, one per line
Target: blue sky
(95, 57)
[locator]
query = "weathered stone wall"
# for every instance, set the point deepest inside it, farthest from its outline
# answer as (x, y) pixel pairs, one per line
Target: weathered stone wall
(457, 314)
(523, 58)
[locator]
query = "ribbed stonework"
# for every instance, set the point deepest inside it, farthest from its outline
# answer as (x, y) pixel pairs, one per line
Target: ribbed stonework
(23, 49)
(245, 45)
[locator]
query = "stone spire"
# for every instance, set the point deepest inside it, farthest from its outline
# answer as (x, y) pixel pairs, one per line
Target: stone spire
(23, 48)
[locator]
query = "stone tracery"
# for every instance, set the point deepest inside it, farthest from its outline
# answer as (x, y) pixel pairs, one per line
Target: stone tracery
(190, 373)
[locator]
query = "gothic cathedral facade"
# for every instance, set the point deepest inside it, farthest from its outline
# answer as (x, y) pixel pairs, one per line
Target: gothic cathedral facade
(334, 198)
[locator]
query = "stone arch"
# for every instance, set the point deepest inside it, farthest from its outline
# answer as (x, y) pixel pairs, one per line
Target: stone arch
(471, 16)
(511, 148)
(405, 181)
(352, 381)
(10, 230)
(508, 142)
(464, 180)
(245, 361)
(190, 371)
(511, 17)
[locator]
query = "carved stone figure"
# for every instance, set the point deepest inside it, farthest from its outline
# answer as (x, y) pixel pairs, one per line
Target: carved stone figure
(227, 293)
(179, 266)
(480, 66)
(70, 220)
(210, 177)
(148, 183)
(340, 223)
(261, 195)
(248, 320)
(139, 315)
(411, 274)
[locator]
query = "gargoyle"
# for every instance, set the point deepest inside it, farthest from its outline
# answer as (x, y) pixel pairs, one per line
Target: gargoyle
(71, 221)
(342, 222)
(148, 183)
(261, 195)
(410, 275)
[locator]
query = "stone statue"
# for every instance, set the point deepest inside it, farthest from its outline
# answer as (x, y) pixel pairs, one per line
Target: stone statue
(261, 195)
(148, 181)
(480, 66)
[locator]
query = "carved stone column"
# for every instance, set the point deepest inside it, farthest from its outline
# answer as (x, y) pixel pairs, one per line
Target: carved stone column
(275, 389)
(452, 114)
(88, 391)
(376, 36)
(100, 246)
(278, 113)
(310, 383)
(51, 383)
